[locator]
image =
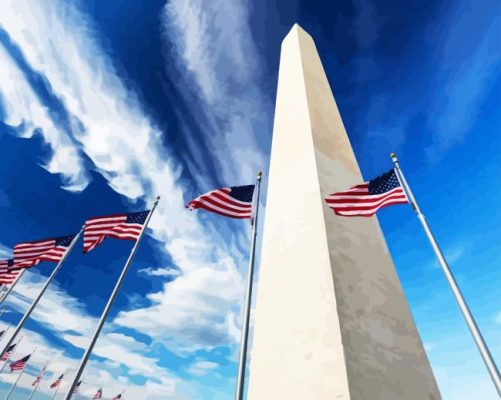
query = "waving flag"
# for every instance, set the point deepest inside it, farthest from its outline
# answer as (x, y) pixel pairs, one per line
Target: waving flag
(98, 394)
(122, 226)
(8, 352)
(7, 274)
(233, 202)
(365, 199)
(19, 364)
(39, 377)
(29, 254)
(75, 389)
(57, 382)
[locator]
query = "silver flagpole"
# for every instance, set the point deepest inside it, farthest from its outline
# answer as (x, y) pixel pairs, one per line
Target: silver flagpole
(470, 321)
(17, 380)
(107, 308)
(10, 355)
(239, 395)
(36, 385)
(47, 283)
(9, 289)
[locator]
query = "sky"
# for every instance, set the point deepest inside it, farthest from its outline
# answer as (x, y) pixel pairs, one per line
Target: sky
(105, 105)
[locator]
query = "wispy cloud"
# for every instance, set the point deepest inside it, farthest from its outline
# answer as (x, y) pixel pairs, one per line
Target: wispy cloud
(224, 81)
(111, 130)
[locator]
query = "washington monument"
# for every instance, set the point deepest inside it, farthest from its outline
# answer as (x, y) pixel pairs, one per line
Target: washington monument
(331, 319)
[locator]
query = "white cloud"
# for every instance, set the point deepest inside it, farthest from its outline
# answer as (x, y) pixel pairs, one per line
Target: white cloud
(223, 80)
(120, 140)
(28, 116)
(109, 126)
(202, 367)
(165, 272)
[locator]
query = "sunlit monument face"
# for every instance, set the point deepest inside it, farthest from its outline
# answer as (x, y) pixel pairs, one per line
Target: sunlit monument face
(331, 319)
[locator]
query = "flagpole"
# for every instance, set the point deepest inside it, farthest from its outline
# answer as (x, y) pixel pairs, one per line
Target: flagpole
(239, 395)
(9, 289)
(36, 385)
(47, 283)
(470, 321)
(19, 377)
(10, 355)
(107, 308)
(57, 387)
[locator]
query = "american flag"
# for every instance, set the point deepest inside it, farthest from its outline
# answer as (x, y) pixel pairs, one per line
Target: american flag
(75, 389)
(121, 226)
(7, 274)
(8, 352)
(98, 394)
(28, 254)
(233, 202)
(19, 364)
(39, 377)
(117, 397)
(57, 382)
(365, 199)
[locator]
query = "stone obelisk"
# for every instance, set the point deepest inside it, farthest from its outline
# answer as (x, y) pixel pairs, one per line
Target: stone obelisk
(331, 320)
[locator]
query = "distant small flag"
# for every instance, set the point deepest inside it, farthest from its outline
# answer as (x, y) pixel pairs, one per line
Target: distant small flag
(57, 382)
(117, 397)
(7, 274)
(75, 389)
(29, 254)
(233, 202)
(98, 394)
(19, 364)
(365, 199)
(8, 352)
(122, 226)
(39, 377)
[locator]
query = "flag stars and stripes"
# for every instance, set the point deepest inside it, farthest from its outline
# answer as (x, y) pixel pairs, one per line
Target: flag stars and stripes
(39, 377)
(233, 202)
(7, 274)
(121, 226)
(8, 352)
(57, 382)
(29, 254)
(19, 364)
(367, 198)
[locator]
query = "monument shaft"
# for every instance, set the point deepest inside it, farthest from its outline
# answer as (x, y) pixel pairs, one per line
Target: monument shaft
(331, 319)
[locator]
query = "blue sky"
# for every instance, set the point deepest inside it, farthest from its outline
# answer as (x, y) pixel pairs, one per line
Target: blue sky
(104, 105)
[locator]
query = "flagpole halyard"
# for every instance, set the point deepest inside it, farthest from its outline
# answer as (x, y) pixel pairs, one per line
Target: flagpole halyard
(108, 306)
(470, 321)
(239, 395)
(47, 283)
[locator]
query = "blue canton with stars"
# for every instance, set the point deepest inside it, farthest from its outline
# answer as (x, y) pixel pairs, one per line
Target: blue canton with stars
(64, 241)
(137, 217)
(242, 193)
(384, 183)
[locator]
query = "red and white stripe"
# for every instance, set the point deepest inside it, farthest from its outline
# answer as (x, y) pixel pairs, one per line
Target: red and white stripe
(220, 202)
(7, 275)
(115, 226)
(39, 377)
(357, 201)
(28, 254)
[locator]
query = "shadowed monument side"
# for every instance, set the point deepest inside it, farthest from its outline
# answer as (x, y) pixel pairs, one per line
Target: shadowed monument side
(331, 319)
